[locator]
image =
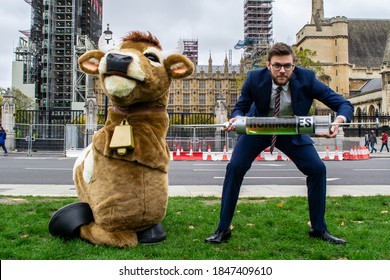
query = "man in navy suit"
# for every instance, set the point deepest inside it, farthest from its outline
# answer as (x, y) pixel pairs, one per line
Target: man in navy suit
(297, 88)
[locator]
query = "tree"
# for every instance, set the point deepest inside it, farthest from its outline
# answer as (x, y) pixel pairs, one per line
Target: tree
(304, 59)
(22, 101)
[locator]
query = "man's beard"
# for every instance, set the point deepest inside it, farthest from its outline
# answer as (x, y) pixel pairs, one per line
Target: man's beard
(277, 82)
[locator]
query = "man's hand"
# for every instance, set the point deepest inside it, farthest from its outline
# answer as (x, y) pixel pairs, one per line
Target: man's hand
(231, 127)
(334, 128)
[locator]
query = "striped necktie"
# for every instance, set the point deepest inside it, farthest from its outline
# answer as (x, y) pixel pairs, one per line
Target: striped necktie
(276, 113)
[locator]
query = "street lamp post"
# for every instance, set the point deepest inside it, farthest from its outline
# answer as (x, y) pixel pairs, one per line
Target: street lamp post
(108, 37)
(108, 34)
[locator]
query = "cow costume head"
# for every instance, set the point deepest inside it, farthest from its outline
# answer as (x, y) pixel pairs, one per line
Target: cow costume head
(122, 177)
(137, 71)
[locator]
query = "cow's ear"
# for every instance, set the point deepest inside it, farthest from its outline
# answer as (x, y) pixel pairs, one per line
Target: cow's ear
(178, 66)
(89, 62)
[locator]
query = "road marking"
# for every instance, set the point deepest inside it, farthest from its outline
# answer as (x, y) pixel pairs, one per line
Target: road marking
(265, 177)
(332, 179)
(45, 168)
(251, 170)
(300, 178)
(254, 164)
(373, 169)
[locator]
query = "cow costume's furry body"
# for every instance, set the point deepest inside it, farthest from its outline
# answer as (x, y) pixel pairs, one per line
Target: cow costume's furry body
(128, 193)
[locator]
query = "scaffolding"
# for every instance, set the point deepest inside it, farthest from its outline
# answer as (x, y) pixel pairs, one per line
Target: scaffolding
(24, 54)
(191, 49)
(61, 31)
(258, 31)
(82, 83)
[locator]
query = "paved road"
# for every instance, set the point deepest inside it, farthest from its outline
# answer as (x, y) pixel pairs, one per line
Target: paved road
(51, 175)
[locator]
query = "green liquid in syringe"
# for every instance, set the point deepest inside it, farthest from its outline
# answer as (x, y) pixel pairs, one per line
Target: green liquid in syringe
(271, 126)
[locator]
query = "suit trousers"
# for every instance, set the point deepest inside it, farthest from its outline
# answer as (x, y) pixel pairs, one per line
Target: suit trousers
(305, 157)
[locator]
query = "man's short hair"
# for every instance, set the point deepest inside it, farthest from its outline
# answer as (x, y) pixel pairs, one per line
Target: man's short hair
(280, 49)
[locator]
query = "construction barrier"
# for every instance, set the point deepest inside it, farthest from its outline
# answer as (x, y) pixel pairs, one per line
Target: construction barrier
(187, 156)
(356, 153)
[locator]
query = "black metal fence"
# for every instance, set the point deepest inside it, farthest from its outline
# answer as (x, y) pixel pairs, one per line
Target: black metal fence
(186, 118)
(358, 130)
(47, 129)
(50, 116)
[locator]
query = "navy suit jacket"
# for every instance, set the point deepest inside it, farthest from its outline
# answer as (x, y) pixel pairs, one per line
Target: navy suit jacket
(304, 88)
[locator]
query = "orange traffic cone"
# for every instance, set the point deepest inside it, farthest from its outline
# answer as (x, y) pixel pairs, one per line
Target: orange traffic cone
(336, 155)
(279, 157)
(351, 154)
(359, 153)
(326, 154)
(224, 157)
(191, 152)
(261, 156)
(365, 152)
(354, 153)
(209, 153)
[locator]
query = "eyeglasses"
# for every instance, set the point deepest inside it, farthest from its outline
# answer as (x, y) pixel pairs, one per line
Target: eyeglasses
(278, 66)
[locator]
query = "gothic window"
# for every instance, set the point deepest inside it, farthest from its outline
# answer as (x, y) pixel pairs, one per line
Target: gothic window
(186, 98)
(202, 99)
(171, 98)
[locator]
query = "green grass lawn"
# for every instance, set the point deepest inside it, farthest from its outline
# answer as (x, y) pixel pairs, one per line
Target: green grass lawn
(264, 228)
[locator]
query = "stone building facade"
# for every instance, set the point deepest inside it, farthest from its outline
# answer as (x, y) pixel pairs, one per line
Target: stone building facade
(354, 54)
(200, 92)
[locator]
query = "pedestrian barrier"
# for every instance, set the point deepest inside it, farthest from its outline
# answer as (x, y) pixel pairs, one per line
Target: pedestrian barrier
(356, 153)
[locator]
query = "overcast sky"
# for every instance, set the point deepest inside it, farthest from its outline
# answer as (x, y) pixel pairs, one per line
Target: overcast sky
(217, 24)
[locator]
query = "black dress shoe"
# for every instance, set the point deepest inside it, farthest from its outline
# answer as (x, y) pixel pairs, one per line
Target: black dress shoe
(152, 235)
(219, 237)
(326, 236)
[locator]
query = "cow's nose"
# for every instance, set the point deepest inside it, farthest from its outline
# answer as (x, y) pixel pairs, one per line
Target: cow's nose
(118, 62)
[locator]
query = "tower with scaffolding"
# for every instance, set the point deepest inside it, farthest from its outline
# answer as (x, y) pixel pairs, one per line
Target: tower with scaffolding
(190, 49)
(60, 32)
(257, 31)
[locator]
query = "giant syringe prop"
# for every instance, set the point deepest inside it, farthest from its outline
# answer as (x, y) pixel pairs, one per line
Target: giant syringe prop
(318, 125)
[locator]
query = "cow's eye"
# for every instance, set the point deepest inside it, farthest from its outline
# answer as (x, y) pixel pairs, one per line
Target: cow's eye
(152, 57)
